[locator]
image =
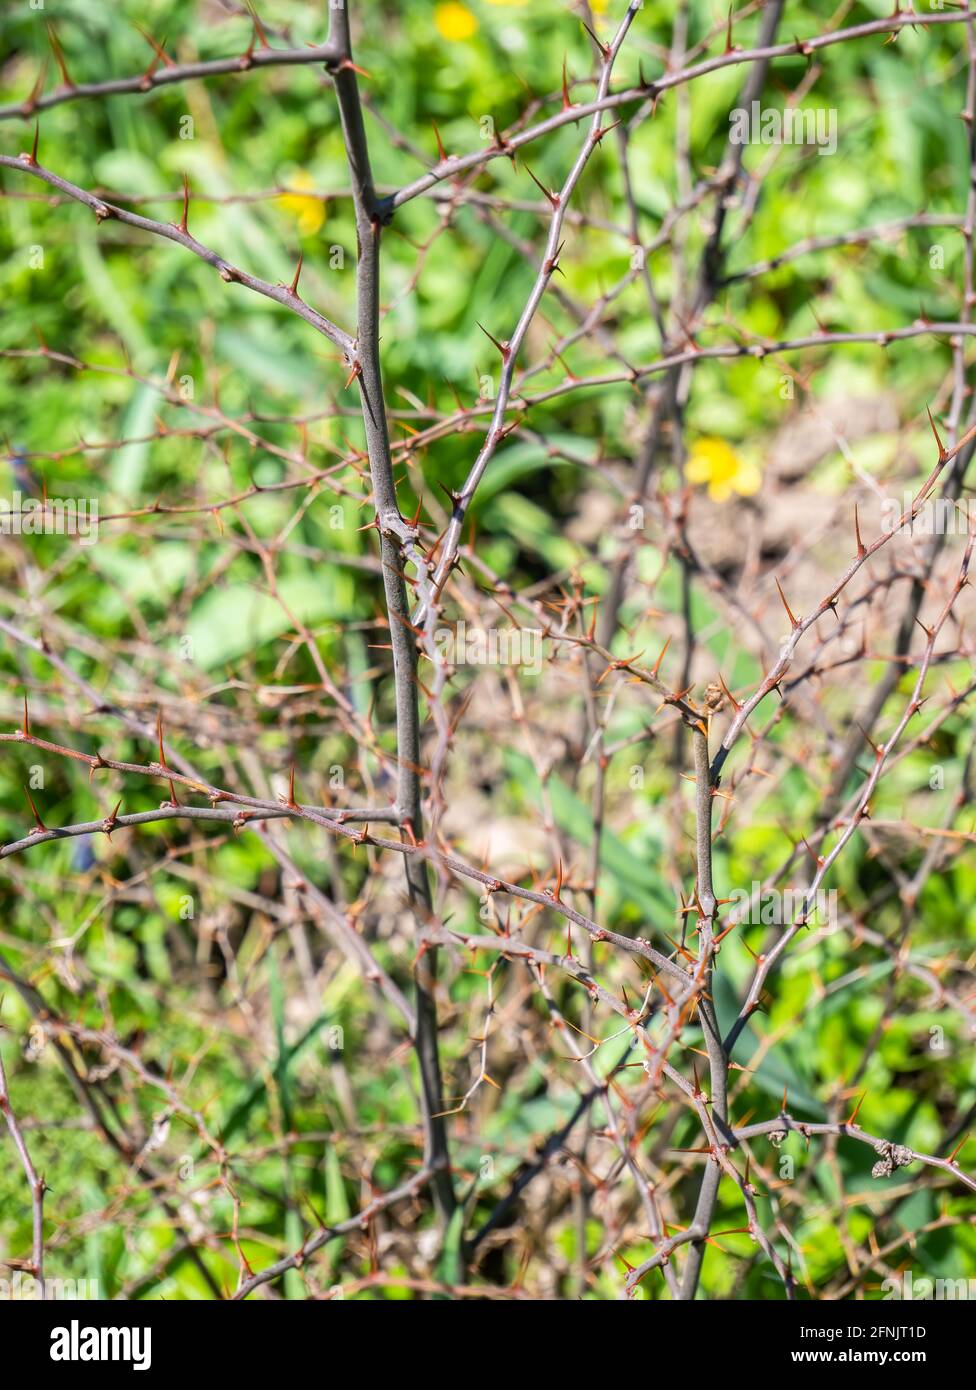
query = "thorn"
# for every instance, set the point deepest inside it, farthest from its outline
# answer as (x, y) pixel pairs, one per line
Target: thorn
(503, 148)
(857, 1107)
(681, 950)
(258, 31)
(110, 821)
(503, 348)
(35, 91)
(440, 144)
(820, 326)
(37, 820)
(817, 859)
(357, 370)
(942, 450)
(559, 881)
(870, 742)
(736, 704)
(657, 665)
(789, 614)
(547, 193)
(292, 803)
(157, 48)
(32, 157)
(758, 959)
(603, 47)
(729, 46)
(604, 130)
(59, 56)
(181, 226)
(453, 497)
(624, 664)
(347, 65)
(962, 1141)
(567, 104)
(861, 551)
(26, 729)
(293, 287)
(552, 264)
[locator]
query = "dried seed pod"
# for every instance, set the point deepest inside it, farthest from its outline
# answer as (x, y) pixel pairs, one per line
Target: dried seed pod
(714, 697)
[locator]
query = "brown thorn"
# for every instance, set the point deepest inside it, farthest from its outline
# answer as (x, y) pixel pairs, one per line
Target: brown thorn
(181, 226)
(59, 56)
(566, 101)
(728, 694)
(728, 33)
(502, 347)
(110, 821)
(547, 193)
(258, 30)
(952, 1156)
(37, 820)
(861, 551)
(347, 65)
(603, 47)
(440, 143)
(604, 130)
(32, 157)
(35, 91)
(872, 745)
(657, 665)
(789, 613)
(856, 1109)
(157, 48)
(942, 450)
(293, 287)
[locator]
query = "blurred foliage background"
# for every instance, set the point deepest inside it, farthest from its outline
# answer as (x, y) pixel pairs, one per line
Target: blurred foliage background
(230, 1013)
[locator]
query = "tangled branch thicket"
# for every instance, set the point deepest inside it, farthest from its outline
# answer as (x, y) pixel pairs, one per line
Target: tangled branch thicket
(498, 767)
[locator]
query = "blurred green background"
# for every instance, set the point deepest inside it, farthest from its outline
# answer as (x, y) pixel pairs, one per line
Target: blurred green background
(112, 297)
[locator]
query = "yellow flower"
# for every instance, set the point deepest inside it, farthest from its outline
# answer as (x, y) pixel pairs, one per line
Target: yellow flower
(308, 212)
(454, 21)
(712, 461)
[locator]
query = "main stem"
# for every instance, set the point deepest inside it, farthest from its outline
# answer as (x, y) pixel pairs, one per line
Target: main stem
(717, 1060)
(395, 535)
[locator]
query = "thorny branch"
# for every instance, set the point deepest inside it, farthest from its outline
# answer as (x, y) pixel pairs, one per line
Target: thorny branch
(653, 998)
